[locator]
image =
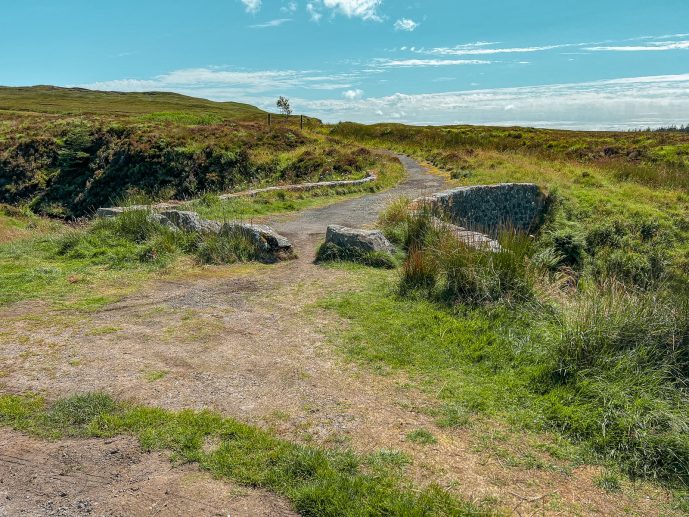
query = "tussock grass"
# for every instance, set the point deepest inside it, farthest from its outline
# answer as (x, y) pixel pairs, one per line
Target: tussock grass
(329, 252)
(317, 482)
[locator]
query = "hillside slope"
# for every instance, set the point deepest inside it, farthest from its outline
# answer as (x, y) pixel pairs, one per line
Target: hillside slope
(53, 99)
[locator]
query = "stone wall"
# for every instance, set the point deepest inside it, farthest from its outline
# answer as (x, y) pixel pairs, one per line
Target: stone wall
(487, 208)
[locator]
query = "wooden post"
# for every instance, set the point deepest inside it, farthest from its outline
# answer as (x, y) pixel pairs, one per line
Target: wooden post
(269, 121)
(301, 122)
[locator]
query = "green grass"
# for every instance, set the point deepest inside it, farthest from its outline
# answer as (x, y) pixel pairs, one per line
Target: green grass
(318, 482)
(389, 172)
(422, 437)
(91, 266)
(623, 400)
(51, 99)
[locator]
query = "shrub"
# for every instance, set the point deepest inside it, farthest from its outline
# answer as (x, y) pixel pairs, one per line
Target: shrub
(635, 253)
(480, 276)
(226, 248)
(329, 252)
(419, 271)
(569, 246)
(620, 379)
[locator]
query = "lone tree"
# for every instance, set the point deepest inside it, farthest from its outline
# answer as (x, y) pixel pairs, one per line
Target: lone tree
(283, 106)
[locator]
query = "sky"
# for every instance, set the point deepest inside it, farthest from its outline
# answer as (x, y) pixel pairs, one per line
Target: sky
(603, 64)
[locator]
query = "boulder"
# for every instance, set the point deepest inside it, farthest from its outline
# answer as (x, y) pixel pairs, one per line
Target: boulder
(191, 221)
(270, 243)
(163, 221)
(363, 240)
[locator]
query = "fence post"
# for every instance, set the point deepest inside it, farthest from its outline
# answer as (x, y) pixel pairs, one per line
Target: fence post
(301, 122)
(269, 121)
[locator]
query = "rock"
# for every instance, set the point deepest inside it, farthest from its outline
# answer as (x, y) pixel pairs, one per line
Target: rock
(114, 211)
(364, 240)
(109, 212)
(270, 243)
(163, 221)
(191, 221)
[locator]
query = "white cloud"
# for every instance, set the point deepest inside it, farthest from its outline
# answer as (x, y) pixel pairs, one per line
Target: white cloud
(478, 49)
(364, 9)
(271, 23)
(314, 13)
(406, 24)
(656, 46)
(353, 94)
(220, 82)
(408, 63)
(252, 6)
(290, 8)
(616, 104)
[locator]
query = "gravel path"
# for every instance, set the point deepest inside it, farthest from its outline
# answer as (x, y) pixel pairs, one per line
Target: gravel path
(307, 227)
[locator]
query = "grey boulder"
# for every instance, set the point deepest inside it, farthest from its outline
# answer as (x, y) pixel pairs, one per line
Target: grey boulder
(191, 221)
(266, 239)
(363, 240)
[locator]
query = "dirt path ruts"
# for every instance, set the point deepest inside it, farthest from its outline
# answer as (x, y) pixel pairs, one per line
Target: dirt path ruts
(244, 341)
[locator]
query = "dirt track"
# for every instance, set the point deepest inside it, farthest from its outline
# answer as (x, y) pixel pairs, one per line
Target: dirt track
(242, 341)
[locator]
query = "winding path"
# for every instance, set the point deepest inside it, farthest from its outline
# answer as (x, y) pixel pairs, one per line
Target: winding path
(306, 227)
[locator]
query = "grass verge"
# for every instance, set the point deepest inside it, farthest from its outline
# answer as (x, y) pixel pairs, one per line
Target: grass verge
(317, 482)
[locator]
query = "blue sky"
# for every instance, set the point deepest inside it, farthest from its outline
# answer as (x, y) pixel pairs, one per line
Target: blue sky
(586, 64)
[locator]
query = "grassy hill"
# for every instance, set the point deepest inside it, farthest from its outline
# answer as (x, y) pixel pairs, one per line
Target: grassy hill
(65, 151)
(75, 101)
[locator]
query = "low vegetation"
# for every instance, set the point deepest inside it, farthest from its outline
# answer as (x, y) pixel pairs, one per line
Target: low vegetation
(69, 165)
(317, 482)
(567, 331)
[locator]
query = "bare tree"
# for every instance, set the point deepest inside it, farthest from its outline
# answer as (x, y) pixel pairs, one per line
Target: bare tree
(283, 106)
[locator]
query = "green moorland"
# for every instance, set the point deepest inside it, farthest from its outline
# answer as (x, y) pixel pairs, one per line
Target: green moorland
(582, 329)
(68, 164)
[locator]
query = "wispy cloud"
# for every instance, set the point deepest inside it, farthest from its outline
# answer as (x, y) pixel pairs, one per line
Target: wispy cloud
(252, 6)
(314, 13)
(218, 81)
(614, 104)
(479, 49)
(657, 46)
(271, 23)
(408, 63)
(406, 24)
(290, 8)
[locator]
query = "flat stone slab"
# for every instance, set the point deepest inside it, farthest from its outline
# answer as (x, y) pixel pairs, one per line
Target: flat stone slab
(364, 240)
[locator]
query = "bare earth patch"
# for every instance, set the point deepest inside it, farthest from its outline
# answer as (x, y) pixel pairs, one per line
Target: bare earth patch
(113, 477)
(245, 341)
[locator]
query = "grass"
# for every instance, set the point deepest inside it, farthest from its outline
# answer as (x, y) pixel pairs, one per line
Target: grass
(103, 260)
(422, 437)
(388, 171)
(329, 252)
(521, 365)
(161, 105)
(317, 482)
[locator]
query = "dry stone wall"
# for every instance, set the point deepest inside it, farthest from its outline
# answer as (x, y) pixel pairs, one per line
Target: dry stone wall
(487, 208)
